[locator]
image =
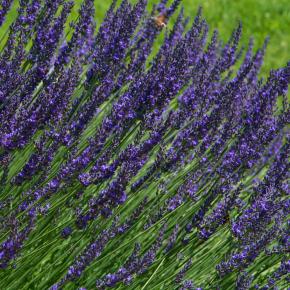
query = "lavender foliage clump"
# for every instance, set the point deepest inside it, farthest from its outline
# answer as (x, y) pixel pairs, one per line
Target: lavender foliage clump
(141, 153)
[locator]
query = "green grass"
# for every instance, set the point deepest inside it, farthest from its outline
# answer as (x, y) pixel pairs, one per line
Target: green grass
(260, 18)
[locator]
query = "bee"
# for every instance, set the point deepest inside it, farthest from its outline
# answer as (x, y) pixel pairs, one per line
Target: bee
(4, 160)
(228, 219)
(160, 20)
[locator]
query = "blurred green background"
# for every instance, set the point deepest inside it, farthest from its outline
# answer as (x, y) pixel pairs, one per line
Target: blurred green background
(259, 17)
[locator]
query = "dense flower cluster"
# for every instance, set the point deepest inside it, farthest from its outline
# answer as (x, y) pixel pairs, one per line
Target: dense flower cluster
(126, 166)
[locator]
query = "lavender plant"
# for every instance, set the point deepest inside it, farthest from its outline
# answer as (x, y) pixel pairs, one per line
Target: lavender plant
(140, 154)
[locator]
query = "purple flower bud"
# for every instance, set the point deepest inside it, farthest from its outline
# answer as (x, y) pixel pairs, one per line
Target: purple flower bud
(66, 232)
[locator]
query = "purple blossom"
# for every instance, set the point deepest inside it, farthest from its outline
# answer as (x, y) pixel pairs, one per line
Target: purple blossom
(136, 264)
(66, 232)
(5, 5)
